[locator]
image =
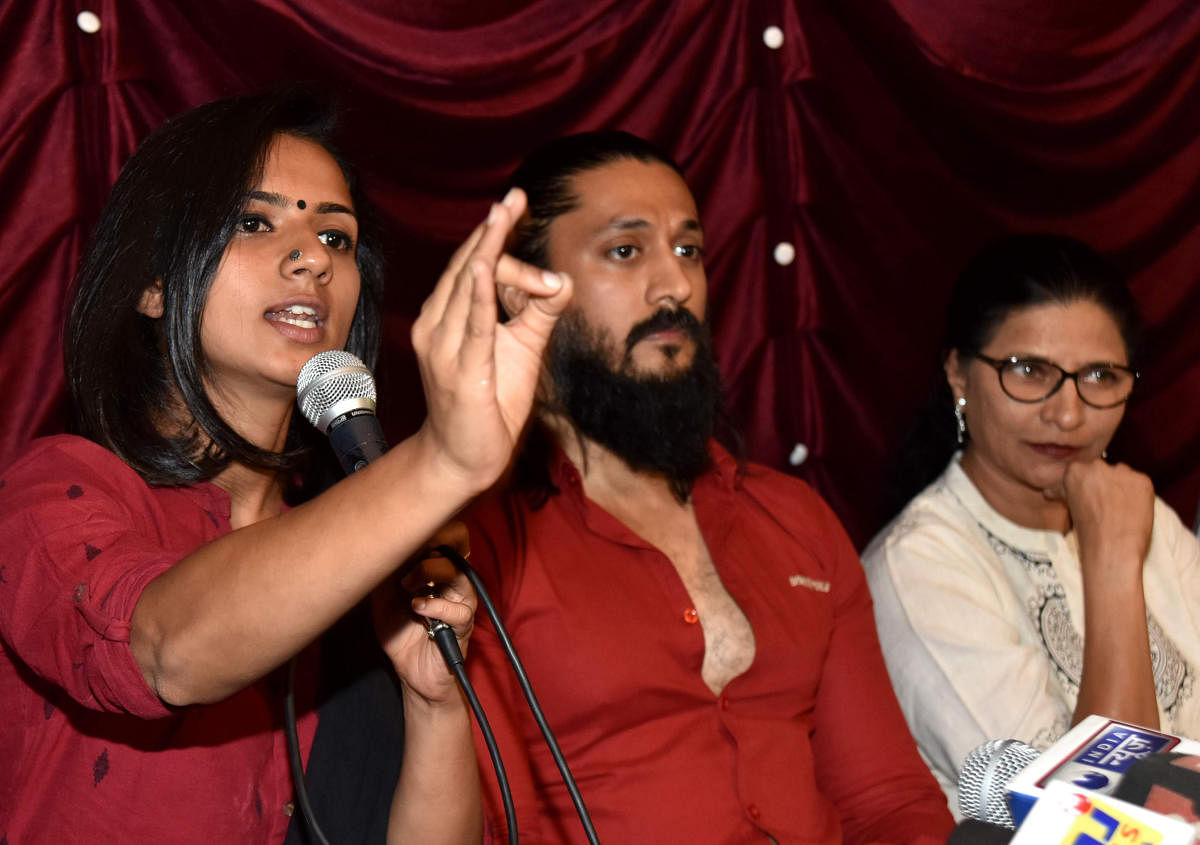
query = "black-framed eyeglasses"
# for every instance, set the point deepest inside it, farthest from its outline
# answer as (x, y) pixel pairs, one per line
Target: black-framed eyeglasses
(1034, 380)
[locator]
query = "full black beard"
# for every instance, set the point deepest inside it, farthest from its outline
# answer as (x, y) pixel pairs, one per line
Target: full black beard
(659, 424)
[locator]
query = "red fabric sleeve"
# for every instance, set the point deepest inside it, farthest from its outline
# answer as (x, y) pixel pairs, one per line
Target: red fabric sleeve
(498, 690)
(864, 754)
(77, 555)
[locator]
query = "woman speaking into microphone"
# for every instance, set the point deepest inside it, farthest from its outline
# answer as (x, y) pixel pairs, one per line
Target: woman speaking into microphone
(159, 565)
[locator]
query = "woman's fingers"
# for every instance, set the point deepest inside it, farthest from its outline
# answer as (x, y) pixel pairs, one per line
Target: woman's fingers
(455, 336)
(469, 299)
(533, 324)
(458, 321)
(543, 286)
(480, 376)
(447, 306)
(1112, 507)
(457, 614)
(434, 308)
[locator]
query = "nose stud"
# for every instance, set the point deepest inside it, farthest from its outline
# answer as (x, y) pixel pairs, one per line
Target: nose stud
(295, 254)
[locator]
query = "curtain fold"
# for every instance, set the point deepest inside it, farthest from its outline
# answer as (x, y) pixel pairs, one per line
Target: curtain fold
(883, 141)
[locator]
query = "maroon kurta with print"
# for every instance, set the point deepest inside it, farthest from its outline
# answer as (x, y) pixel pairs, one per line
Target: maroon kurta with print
(88, 752)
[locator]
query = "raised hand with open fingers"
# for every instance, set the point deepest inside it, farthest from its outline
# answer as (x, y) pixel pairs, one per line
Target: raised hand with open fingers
(479, 375)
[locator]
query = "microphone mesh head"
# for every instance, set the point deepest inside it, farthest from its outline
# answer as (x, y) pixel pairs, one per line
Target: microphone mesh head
(333, 383)
(985, 773)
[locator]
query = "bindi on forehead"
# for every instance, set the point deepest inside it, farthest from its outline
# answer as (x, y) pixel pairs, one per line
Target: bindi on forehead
(301, 204)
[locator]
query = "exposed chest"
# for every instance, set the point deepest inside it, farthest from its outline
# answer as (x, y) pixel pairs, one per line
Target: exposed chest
(729, 644)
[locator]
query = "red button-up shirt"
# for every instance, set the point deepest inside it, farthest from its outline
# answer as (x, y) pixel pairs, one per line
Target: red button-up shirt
(88, 752)
(807, 746)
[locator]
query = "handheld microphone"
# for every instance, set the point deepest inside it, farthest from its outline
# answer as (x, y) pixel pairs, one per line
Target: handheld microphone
(1094, 756)
(336, 393)
(985, 775)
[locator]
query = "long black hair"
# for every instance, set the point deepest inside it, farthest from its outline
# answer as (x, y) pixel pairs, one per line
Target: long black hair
(1015, 272)
(169, 220)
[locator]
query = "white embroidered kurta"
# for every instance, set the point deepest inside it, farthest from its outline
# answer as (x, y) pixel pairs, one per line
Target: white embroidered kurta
(981, 623)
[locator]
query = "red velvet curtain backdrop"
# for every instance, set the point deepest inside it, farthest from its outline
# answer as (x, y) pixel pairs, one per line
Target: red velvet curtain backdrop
(883, 141)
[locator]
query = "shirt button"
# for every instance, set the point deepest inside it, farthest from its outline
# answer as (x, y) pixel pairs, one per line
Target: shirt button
(288, 809)
(690, 616)
(752, 811)
(723, 703)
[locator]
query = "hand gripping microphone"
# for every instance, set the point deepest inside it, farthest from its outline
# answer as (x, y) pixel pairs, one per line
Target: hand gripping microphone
(336, 393)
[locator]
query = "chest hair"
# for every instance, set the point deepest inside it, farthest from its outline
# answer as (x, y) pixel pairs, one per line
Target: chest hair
(728, 638)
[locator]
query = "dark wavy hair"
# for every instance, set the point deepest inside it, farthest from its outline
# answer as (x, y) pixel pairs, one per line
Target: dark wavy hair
(169, 218)
(1015, 272)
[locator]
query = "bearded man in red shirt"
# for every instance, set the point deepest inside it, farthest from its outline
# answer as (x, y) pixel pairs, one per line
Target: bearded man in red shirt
(698, 630)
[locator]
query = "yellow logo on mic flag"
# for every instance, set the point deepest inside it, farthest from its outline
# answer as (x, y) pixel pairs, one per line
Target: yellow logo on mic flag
(1099, 823)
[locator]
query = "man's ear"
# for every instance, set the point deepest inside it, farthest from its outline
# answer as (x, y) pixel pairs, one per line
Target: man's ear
(513, 299)
(955, 375)
(151, 303)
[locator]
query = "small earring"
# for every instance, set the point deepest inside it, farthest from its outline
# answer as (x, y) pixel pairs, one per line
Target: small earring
(1104, 455)
(295, 254)
(960, 418)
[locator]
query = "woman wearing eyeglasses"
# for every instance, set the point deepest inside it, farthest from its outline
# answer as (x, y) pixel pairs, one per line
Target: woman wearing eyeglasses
(1033, 583)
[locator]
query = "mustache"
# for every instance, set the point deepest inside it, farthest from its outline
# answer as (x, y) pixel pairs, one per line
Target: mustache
(665, 319)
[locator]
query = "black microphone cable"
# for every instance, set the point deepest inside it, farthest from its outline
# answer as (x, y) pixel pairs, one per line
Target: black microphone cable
(535, 708)
(447, 643)
(336, 393)
(294, 761)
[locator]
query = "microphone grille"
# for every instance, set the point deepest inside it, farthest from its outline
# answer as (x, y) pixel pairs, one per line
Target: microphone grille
(985, 773)
(333, 383)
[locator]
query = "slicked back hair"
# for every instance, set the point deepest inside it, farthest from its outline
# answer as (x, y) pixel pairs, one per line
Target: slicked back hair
(546, 176)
